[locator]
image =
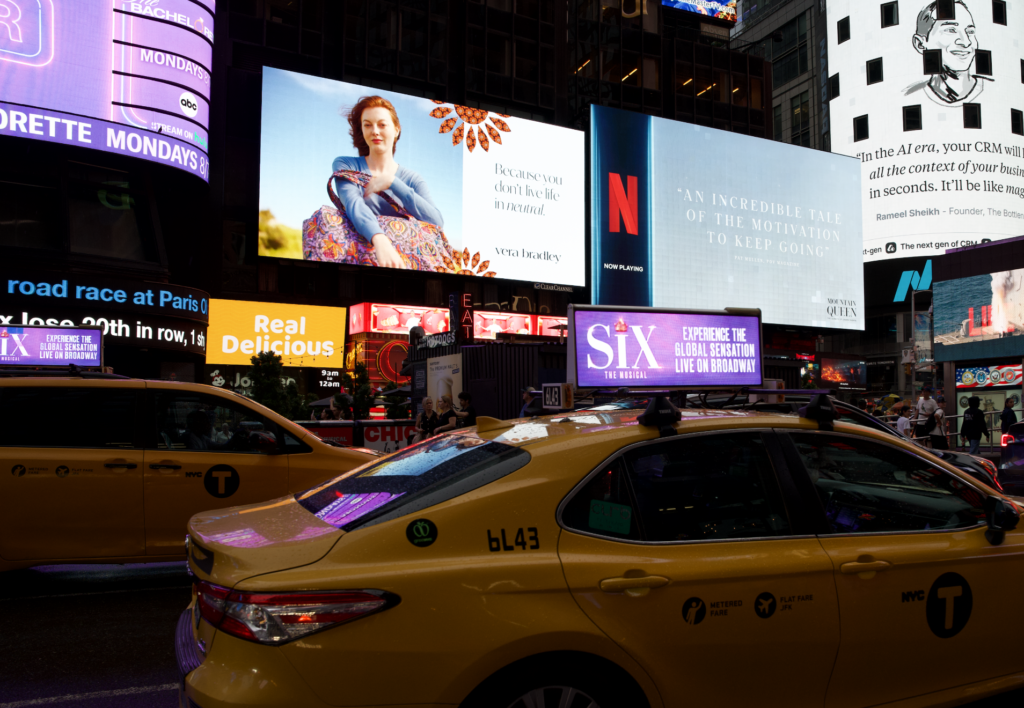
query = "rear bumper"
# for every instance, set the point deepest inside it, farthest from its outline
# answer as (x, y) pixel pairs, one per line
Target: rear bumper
(185, 650)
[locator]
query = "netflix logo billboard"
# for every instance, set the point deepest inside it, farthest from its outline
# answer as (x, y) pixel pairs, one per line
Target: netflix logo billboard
(689, 217)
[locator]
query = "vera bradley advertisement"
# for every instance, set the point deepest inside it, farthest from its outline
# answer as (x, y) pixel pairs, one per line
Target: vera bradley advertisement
(457, 189)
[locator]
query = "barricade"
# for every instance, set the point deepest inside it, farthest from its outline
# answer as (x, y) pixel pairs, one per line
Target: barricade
(382, 434)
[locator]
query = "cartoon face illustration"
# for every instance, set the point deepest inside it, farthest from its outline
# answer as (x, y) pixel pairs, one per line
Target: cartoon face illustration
(956, 38)
(217, 379)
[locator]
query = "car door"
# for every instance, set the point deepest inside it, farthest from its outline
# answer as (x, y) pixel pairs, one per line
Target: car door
(72, 471)
(205, 452)
(926, 601)
(682, 551)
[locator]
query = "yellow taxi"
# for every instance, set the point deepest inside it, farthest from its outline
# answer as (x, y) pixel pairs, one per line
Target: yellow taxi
(610, 559)
(105, 469)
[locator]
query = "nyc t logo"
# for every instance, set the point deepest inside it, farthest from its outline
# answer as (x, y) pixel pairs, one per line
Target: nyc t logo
(26, 31)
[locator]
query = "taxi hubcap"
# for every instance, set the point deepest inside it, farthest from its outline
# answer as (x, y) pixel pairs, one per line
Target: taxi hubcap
(555, 697)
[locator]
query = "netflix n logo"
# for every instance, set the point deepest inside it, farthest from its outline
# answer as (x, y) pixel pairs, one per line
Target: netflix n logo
(622, 204)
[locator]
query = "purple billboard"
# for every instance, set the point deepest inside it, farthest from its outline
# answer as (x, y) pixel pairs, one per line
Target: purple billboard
(643, 348)
(131, 78)
(50, 346)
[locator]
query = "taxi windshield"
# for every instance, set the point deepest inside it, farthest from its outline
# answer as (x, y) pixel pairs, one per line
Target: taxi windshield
(415, 478)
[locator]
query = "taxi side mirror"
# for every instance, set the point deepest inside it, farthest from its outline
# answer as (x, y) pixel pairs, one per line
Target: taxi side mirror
(1001, 516)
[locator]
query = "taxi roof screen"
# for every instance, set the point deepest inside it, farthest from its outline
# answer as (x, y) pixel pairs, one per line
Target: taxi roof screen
(663, 348)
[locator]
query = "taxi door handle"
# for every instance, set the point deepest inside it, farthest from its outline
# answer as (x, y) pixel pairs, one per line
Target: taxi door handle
(634, 587)
(864, 567)
(165, 466)
(120, 465)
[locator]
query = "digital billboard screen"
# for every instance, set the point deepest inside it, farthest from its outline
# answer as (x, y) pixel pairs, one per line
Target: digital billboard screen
(131, 78)
(842, 373)
(979, 316)
(50, 346)
(469, 191)
(722, 9)
(932, 108)
(684, 216)
(303, 335)
(639, 347)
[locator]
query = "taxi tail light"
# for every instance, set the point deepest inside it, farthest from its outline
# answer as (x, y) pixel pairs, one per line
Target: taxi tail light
(1007, 439)
(277, 618)
(992, 470)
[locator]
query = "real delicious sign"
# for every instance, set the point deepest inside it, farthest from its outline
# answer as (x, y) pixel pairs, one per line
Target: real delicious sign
(642, 347)
(45, 346)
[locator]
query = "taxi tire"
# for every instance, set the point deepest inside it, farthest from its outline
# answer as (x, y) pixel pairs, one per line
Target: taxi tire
(605, 683)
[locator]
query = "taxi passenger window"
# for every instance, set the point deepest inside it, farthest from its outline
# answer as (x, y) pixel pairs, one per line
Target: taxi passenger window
(195, 422)
(706, 487)
(604, 507)
(868, 487)
(96, 417)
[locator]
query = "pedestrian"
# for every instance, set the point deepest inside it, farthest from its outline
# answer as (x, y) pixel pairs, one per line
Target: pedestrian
(903, 425)
(446, 416)
(937, 435)
(467, 413)
(426, 423)
(1007, 418)
(974, 426)
(925, 419)
(222, 436)
(862, 404)
(531, 404)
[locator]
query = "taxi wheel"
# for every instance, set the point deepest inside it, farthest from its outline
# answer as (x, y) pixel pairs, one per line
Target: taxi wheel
(566, 686)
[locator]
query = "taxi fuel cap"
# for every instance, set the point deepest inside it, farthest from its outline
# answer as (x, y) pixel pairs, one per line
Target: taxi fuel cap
(820, 409)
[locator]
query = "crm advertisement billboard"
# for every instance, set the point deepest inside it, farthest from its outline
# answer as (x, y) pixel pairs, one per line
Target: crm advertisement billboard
(125, 77)
(304, 335)
(640, 347)
(930, 105)
(692, 217)
(474, 192)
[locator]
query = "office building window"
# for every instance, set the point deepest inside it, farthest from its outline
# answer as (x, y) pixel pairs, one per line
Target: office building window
(833, 86)
(983, 62)
(972, 115)
(875, 71)
(790, 57)
(860, 128)
(800, 108)
(1016, 121)
(911, 118)
(843, 30)
(999, 12)
(932, 61)
(890, 14)
(777, 121)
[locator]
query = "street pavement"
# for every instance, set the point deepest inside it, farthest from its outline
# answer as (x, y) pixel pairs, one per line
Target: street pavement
(101, 636)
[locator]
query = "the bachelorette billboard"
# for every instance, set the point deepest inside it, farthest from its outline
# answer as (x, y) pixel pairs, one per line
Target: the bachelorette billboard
(417, 184)
(50, 346)
(131, 78)
(928, 96)
(689, 217)
(639, 347)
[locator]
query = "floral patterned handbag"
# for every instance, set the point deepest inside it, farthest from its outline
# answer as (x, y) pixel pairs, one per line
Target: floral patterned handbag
(329, 234)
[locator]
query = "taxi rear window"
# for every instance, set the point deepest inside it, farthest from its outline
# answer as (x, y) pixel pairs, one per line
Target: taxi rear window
(415, 478)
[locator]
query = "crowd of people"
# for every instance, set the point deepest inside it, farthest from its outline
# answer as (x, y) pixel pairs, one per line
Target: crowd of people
(447, 416)
(926, 420)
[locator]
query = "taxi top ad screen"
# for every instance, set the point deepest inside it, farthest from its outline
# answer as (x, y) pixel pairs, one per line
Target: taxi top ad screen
(644, 348)
(689, 217)
(304, 335)
(50, 346)
(722, 9)
(131, 78)
(475, 193)
(932, 108)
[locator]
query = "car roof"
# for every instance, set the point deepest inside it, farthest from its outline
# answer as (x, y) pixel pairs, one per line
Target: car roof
(585, 427)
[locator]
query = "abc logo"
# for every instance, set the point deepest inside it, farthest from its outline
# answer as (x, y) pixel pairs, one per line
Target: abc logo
(189, 104)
